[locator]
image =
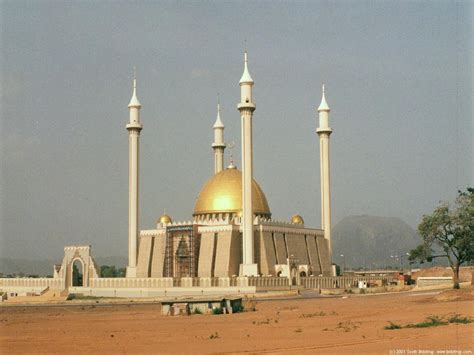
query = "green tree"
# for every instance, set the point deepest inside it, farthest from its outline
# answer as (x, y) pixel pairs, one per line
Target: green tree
(451, 228)
(108, 271)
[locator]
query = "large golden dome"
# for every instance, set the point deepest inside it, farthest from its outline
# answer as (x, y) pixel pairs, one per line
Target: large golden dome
(222, 194)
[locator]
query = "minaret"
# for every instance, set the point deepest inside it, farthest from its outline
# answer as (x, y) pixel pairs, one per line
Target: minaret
(246, 108)
(324, 132)
(218, 146)
(134, 127)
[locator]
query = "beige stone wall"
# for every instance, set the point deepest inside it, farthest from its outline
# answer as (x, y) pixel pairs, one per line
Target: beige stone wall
(297, 247)
(235, 257)
(223, 254)
(324, 256)
(314, 255)
(206, 253)
(144, 251)
(158, 256)
(220, 250)
(280, 247)
(265, 253)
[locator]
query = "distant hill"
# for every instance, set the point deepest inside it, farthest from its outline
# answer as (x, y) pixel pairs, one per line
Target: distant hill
(45, 267)
(370, 241)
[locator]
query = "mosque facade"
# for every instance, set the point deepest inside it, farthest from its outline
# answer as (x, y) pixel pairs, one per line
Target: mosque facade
(231, 232)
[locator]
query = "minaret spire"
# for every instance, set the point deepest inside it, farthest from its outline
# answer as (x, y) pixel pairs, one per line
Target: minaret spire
(324, 105)
(246, 78)
(134, 100)
(324, 132)
(134, 128)
(218, 146)
(246, 108)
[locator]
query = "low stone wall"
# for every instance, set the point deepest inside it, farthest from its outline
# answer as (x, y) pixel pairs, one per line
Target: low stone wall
(24, 290)
(162, 292)
(269, 282)
(344, 281)
(32, 282)
(433, 281)
(260, 283)
(168, 282)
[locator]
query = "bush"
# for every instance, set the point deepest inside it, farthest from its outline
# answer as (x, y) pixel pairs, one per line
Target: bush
(457, 318)
(197, 311)
(237, 308)
(217, 310)
(431, 321)
(393, 326)
(214, 336)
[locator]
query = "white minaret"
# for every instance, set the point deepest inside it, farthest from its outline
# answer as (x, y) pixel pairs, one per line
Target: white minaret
(324, 132)
(246, 108)
(218, 144)
(134, 127)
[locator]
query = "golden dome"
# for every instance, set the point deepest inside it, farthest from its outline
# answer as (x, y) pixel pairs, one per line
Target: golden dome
(222, 193)
(165, 219)
(297, 219)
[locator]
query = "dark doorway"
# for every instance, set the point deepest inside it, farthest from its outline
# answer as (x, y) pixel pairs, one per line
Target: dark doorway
(77, 274)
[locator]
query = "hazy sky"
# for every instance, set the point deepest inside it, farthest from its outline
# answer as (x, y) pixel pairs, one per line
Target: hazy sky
(398, 78)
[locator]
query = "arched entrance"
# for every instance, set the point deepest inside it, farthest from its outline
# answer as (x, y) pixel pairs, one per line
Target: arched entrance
(77, 271)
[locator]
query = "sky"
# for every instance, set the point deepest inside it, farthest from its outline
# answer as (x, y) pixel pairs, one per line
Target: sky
(398, 80)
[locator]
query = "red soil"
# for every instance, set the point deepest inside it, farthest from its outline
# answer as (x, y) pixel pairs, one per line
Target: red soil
(323, 325)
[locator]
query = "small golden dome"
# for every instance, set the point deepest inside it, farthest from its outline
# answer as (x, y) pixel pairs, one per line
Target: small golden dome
(165, 219)
(297, 219)
(222, 193)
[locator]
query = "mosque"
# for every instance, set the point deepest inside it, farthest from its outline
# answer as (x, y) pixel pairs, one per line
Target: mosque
(232, 232)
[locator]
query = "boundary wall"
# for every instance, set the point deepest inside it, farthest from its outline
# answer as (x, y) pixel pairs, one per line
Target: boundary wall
(165, 286)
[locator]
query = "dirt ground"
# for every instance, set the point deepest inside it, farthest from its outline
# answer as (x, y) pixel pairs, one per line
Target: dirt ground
(353, 324)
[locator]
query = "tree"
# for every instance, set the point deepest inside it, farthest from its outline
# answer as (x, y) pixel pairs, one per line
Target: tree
(108, 271)
(111, 271)
(451, 228)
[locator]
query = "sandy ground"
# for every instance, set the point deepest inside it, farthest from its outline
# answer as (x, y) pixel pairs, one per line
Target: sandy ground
(318, 325)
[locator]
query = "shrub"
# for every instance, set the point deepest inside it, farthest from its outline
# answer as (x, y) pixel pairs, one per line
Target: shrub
(457, 318)
(197, 311)
(214, 336)
(237, 308)
(311, 315)
(217, 310)
(431, 321)
(393, 326)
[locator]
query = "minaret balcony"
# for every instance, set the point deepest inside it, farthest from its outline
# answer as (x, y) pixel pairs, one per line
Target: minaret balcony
(136, 126)
(246, 105)
(324, 130)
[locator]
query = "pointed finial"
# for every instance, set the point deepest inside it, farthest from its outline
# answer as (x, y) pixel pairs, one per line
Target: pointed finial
(231, 158)
(324, 105)
(134, 100)
(246, 78)
(218, 123)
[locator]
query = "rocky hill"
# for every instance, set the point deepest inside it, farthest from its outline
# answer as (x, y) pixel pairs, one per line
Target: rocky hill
(372, 242)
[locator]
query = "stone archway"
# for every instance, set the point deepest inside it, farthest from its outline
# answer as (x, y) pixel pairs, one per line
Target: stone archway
(79, 257)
